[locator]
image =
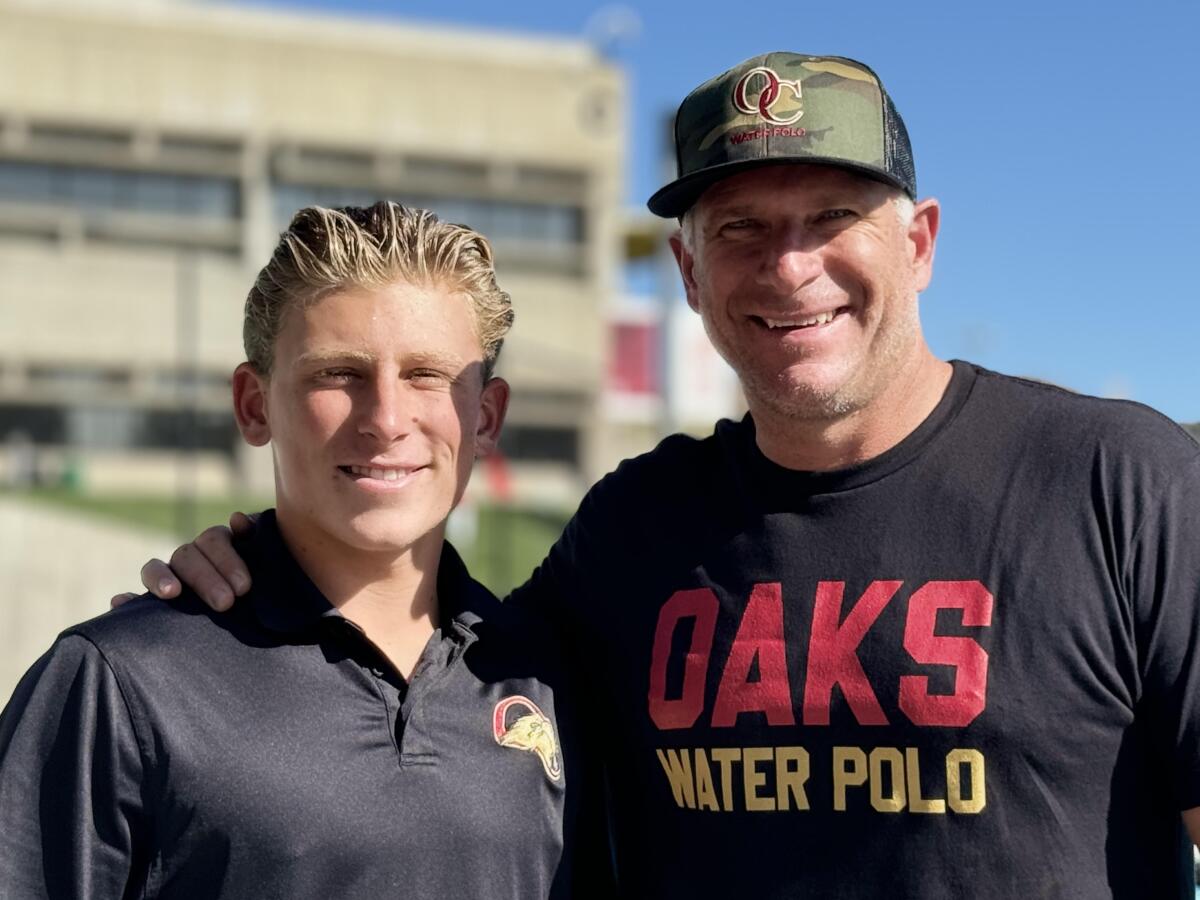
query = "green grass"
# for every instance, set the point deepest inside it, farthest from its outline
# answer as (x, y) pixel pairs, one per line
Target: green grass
(154, 513)
(510, 544)
(510, 541)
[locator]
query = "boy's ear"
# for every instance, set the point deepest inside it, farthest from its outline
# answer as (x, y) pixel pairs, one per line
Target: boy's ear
(250, 405)
(493, 404)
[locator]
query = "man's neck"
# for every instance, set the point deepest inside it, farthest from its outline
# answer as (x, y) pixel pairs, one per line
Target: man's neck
(823, 445)
(392, 597)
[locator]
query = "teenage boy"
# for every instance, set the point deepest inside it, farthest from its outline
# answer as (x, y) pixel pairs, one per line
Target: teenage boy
(372, 722)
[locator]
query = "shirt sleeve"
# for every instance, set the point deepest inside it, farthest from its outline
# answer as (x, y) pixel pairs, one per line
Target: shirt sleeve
(70, 781)
(1164, 578)
(552, 584)
(558, 591)
(555, 594)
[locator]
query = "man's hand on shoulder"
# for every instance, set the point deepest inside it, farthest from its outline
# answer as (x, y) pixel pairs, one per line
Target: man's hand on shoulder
(1191, 819)
(209, 565)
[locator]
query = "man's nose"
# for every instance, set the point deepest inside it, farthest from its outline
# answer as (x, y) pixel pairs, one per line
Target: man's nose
(386, 410)
(790, 261)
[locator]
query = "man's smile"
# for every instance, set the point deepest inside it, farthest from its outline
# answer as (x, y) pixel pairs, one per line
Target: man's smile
(798, 322)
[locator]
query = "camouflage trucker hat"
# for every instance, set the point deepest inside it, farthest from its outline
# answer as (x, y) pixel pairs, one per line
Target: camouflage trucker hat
(786, 107)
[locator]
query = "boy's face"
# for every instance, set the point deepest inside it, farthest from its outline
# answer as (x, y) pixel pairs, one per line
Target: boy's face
(375, 410)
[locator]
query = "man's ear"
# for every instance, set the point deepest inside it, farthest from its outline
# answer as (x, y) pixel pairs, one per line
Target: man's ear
(250, 405)
(687, 265)
(922, 236)
(493, 404)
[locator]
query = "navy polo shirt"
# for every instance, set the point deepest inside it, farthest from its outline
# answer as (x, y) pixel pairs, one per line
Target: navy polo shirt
(161, 750)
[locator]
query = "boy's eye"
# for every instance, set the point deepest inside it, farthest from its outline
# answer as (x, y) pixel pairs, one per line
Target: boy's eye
(335, 376)
(430, 376)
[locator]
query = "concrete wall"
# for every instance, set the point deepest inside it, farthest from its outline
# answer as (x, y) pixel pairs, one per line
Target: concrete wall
(58, 568)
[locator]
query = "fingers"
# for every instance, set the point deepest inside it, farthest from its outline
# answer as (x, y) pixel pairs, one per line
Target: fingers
(240, 523)
(209, 565)
(159, 580)
(193, 568)
(211, 568)
(221, 568)
(217, 544)
(122, 599)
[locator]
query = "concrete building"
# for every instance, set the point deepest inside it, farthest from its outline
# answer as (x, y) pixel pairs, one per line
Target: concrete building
(150, 154)
(663, 374)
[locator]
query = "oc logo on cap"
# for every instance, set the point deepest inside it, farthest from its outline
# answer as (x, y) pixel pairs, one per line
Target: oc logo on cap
(770, 90)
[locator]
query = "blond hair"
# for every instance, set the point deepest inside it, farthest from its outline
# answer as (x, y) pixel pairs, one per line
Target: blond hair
(328, 250)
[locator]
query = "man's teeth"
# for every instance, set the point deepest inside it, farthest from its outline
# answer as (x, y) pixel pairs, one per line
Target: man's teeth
(820, 319)
(380, 474)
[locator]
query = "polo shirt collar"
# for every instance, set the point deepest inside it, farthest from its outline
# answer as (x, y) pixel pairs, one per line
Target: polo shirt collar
(285, 600)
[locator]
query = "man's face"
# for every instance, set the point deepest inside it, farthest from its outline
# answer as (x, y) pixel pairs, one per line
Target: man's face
(807, 280)
(375, 410)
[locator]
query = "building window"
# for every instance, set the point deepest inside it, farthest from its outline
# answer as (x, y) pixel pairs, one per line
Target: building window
(498, 219)
(528, 235)
(536, 443)
(120, 427)
(288, 199)
(559, 181)
(91, 188)
(452, 170)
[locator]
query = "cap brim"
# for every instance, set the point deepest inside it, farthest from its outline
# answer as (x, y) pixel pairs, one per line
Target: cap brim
(676, 198)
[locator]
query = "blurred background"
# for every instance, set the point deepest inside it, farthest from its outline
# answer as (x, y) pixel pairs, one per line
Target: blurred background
(151, 151)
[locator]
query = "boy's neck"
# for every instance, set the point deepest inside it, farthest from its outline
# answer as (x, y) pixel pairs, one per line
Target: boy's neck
(392, 597)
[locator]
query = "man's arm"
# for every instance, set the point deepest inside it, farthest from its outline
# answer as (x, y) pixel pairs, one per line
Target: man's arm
(71, 779)
(209, 565)
(1164, 577)
(1191, 818)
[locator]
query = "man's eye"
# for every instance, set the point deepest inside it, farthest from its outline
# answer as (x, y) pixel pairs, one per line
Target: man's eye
(836, 214)
(739, 226)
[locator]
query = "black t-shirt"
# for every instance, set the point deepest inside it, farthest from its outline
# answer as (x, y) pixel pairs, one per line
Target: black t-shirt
(969, 667)
(161, 750)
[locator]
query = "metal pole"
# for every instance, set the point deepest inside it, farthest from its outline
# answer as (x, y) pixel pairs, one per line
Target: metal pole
(668, 296)
(186, 383)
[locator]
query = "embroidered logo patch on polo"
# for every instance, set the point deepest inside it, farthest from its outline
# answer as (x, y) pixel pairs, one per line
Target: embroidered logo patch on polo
(517, 722)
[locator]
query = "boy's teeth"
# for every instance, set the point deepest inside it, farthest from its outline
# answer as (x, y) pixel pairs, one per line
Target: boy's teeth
(380, 474)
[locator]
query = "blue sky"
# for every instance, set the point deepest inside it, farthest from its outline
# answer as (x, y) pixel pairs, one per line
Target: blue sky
(1062, 139)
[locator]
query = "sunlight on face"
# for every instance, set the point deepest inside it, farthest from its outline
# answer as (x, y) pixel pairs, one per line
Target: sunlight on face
(805, 281)
(375, 408)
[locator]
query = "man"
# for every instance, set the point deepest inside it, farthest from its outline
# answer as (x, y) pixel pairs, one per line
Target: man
(370, 722)
(911, 628)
